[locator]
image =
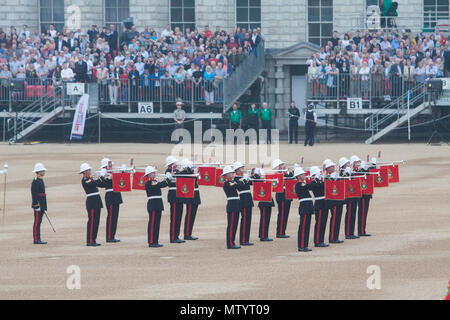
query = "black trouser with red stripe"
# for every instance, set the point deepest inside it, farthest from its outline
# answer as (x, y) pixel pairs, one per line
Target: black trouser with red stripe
(264, 222)
(37, 225)
(303, 230)
(335, 220)
(191, 212)
(233, 220)
(111, 220)
(92, 224)
(363, 210)
(321, 213)
(176, 214)
(350, 217)
(246, 222)
(283, 214)
(154, 222)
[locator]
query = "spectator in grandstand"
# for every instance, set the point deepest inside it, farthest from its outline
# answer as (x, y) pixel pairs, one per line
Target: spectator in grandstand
(408, 72)
(208, 77)
(81, 69)
(113, 84)
(5, 77)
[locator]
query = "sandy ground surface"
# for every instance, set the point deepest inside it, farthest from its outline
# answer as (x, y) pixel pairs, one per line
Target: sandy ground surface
(410, 224)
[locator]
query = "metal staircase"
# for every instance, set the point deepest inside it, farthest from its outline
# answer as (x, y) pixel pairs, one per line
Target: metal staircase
(395, 113)
(35, 116)
(243, 77)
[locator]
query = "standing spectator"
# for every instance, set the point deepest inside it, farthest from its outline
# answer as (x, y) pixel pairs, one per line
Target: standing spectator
(133, 77)
(235, 118)
(112, 37)
(408, 72)
(332, 76)
(364, 74)
(294, 115)
(266, 119)
(113, 84)
(208, 77)
(102, 79)
(395, 74)
(179, 116)
(66, 73)
(5, 78)
(81, 69)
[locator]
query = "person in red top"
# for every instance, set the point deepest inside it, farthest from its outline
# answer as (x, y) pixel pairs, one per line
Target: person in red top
(213, 58)
(208, 33)
(232, 44)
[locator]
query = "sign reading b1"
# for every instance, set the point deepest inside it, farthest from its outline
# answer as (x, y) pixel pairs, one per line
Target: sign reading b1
(145, 107)
(354, 103)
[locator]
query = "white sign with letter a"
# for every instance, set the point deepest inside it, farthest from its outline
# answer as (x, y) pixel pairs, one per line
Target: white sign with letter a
(75, 89)
(145, 107)
(354, 103)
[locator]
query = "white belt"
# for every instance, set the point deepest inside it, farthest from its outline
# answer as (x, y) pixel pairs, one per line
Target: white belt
(305, 199)
(109, 190)
(233, 198)
(174, 188)
(197, 189)
(93, 194)
(155, 197)
(320, 198)
(245, 191)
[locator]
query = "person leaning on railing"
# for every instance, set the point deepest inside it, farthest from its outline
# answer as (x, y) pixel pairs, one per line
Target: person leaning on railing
(208, 76)
(5, 78)
(113, 84)
(313, 72)
(408, 75)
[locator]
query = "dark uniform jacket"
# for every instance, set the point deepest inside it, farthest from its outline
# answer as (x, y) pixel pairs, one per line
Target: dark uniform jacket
(245, 194)
(90, 186)
(172, 184)
(318, 189)
(306, 206)
(281, 196)
(294, 115)
(153, 189)
(111, 197)
(38, 196)
(196, 200)
(231, 191)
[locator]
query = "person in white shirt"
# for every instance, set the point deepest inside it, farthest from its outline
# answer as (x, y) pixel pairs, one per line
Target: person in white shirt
(66, 73)
(52, 31)
(167, 32)
(140, 66)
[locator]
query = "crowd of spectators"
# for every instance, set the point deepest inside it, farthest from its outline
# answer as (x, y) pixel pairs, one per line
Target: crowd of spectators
(146, 61)
(378, 64)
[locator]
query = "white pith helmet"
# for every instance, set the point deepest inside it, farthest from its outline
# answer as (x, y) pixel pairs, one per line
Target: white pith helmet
(149, 170)
(237, 165)
(84, 167)
(276, 163)
(170, 160)
(227, 170)
(105, 163)
(343, 161)
(298, 171)
(39, 167)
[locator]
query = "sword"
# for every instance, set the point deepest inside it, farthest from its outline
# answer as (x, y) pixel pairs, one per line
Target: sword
(49, 221)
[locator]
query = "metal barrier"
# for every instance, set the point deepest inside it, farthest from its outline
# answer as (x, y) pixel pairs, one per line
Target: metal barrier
(372, 88)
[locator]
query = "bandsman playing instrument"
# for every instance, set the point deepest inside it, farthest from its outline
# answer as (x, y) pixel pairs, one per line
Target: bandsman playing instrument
(284, 205)
(245, 202)
(351, 204)
(265, 209)
(191, 204)
(317, 186)
(39, 201)
(113, 200)
(334, 206)
(230, 188)
(176, 204)
(306, 209)
(94, 204)
(155, 206)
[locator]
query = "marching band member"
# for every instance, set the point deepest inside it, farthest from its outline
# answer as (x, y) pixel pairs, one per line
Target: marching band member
(317, 186)
(176, 204)
(155, 206)
(39, 201)
(94, 204)
(265, 209)
(245, 201)
(363, 206)
(351, 204)
(230, 188)
(191, 204)
(306, 209)
(334, 206)
(112, 201)
(284, 205)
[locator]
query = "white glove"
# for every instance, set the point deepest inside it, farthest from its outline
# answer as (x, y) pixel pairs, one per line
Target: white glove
(363, 165)
(169, 175)
(258, 171)
(348, 170)
(296, 165)
(334, 175)
(103, 172)
(246, 176)
(374, 161)
(262, 173)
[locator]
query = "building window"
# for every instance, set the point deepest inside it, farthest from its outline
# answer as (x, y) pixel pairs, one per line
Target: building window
(182, 14)
(433, 11)
(248, 14)
(51, 13)
(115, 12)
(320, 21)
